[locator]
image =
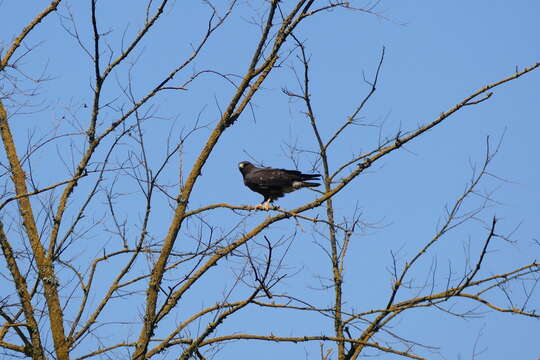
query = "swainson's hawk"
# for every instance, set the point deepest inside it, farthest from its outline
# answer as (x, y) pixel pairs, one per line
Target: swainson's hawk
(274, 183)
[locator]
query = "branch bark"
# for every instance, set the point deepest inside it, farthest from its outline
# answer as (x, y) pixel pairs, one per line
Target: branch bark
(45, 265)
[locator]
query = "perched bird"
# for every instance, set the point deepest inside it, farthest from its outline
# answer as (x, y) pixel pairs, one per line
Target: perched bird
(274, 183)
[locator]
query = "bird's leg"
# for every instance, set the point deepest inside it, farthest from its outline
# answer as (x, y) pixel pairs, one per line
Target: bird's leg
(261, 206)
(265, 205)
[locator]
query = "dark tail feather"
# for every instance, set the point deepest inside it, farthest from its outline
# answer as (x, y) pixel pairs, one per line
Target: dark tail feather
(310, 176)
(309, 184)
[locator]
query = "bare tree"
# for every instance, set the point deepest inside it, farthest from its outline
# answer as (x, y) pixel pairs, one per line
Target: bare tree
(114, 253)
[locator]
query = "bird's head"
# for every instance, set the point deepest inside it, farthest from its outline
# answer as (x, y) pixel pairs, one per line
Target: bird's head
(245, 167)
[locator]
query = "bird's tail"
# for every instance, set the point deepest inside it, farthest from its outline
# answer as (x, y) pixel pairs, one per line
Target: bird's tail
(310, 176)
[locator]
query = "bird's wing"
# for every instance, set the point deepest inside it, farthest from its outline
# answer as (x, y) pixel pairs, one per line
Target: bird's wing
(272, 178)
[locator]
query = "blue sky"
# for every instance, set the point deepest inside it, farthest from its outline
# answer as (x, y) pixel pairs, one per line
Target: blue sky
(436, 53)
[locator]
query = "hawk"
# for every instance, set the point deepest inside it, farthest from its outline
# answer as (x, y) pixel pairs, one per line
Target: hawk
(274, 183)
